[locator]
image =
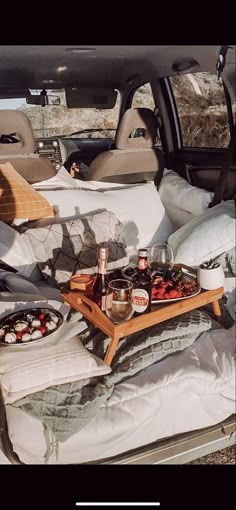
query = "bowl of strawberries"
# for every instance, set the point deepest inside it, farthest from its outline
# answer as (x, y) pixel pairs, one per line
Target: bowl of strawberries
(174, 286)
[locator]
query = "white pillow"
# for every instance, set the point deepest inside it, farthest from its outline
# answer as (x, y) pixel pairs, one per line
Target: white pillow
(94, 185)
(206, 236)
(178, 217)
(16, 252)
(179, 193)
(30, 368)
(62, 180)
(138, 207)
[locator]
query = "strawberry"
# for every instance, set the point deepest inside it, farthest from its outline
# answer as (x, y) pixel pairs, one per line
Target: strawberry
(179, 294)
(173, 293)
(19, 335)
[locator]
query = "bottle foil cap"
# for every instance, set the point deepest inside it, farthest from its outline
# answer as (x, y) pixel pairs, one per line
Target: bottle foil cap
(143, 252)
(102, 252)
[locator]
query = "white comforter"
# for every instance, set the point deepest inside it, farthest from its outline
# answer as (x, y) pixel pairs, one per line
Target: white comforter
(189, 390)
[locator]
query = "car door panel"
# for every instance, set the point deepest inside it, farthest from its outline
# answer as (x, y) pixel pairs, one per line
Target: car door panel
(202, 167)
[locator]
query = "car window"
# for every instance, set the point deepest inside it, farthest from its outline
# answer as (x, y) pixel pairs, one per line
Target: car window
(234, 110)
(202, 110)
(143, 98)
(60, 120)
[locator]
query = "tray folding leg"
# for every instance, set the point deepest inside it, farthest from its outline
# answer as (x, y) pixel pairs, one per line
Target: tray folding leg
(216, 308)
(111, 348)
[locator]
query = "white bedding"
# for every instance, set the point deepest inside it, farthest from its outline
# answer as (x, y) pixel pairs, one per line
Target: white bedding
(189, 390)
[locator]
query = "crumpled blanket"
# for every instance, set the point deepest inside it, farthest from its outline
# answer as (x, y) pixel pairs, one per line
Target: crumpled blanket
(65, 409)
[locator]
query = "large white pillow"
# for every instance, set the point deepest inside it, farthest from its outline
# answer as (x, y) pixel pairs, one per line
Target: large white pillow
(16, 252)
(30, 368)
(179, 193)
(178, 217)
(206, 236)
(62, 180)
(94, 185)
(139, 207)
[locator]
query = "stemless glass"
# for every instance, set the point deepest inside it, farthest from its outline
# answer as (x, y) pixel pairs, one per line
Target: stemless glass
(161, 258)
(119, 300)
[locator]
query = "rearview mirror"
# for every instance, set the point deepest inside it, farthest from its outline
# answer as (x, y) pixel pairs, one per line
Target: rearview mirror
(43, 100)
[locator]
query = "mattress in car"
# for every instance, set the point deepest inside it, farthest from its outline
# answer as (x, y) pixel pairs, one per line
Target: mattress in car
(187, 391)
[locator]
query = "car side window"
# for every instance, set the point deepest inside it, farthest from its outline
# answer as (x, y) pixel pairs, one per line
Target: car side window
(143, 98)
(234, 110)
(202, 110)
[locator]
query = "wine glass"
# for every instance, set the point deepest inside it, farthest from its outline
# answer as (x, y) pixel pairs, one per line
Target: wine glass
(119, 300)
(161, 259)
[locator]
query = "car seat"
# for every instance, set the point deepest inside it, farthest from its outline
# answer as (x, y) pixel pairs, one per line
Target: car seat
(17, 146)
(134, 159)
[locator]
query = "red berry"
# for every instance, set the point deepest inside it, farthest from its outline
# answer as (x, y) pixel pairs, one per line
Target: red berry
(173, 293)
(19, 335)
(41, 316)
(42, 329)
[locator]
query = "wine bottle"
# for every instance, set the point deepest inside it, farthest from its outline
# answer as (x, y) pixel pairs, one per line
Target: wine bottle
(142, 285)
(101, 281)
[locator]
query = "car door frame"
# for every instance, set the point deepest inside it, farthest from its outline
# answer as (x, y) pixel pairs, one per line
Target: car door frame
(189, 162)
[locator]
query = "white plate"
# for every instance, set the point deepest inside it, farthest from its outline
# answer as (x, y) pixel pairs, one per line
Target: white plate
(171, 300)
(21, 315)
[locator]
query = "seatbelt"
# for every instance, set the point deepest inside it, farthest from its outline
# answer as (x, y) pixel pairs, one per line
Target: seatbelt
(229, 155)
(228, 160)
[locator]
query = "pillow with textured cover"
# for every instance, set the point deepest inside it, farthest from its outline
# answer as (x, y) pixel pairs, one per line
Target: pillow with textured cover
(64, 249)
(15, 251)
(205, 237)
(18, 198)
(60, 359)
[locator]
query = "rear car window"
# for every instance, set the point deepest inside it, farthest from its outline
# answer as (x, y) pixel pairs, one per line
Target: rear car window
(202, 110)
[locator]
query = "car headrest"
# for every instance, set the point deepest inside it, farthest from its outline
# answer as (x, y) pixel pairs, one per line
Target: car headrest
(16, 122)
(135, 118)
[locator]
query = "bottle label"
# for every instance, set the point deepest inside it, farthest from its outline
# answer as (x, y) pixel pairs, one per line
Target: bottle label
(102, 267)
(103, 303)
(140, 300)
(142, 264)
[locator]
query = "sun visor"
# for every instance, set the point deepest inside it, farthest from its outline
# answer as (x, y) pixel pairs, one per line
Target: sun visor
(101, 98)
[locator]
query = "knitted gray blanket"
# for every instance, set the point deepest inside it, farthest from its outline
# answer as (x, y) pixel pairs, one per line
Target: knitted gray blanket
(65, 409)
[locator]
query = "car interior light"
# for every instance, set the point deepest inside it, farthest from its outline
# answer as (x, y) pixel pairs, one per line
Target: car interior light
(79, 50)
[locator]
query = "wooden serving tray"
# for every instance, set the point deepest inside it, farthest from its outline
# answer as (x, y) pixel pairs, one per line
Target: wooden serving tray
(159, 313)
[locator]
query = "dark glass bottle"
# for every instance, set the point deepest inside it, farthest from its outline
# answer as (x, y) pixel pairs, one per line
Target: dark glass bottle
(101, 281)
(142, 285)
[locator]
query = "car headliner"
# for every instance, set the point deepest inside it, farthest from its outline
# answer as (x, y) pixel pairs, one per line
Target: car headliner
(120, 67)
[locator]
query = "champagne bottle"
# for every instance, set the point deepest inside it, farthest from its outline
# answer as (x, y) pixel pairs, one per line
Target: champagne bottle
(142, 285)
(101, 281)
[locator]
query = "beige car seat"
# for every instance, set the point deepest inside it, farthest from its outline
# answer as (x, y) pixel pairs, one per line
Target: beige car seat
(133, 159)
(32, 167)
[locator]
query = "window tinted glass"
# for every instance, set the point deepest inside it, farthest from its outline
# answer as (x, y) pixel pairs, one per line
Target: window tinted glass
(143, 97)
(234, 110)
(202, 110)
